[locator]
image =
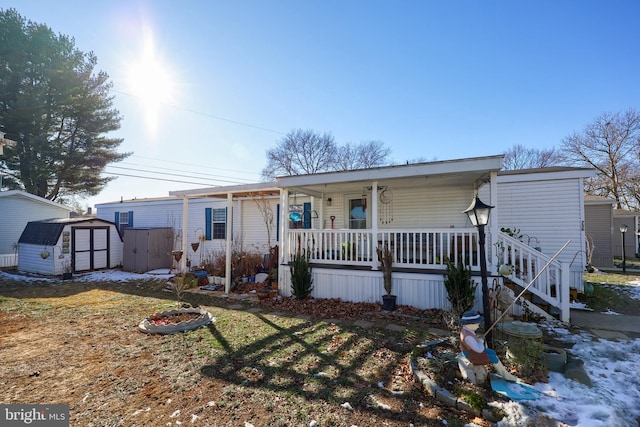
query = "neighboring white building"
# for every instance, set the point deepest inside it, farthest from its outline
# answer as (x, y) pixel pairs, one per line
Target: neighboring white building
(18, 208)
(206, 216)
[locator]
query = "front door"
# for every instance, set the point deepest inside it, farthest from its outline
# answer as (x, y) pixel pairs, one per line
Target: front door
(357, 214)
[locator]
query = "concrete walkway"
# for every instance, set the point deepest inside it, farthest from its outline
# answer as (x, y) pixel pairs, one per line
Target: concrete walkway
(609, 326)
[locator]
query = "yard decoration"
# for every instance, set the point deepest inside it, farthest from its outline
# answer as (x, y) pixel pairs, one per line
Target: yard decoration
(67, 269)
(44, 254)
(173, 321)
(385, 257)
(177, 255)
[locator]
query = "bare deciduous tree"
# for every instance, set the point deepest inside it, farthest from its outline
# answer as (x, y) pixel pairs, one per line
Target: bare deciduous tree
(266, 210)
(611, 145)
(521, 157)
(301, 152)
(367, 154)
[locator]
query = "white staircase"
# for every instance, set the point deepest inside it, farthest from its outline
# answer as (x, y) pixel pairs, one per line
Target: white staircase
(551, 287)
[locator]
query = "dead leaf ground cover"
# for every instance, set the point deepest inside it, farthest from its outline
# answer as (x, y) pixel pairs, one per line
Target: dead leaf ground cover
(78, 343)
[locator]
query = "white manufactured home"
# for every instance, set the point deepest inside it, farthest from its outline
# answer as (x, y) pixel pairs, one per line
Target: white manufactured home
(340, 218)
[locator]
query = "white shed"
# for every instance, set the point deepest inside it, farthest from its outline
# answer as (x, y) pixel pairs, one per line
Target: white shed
(57, 246)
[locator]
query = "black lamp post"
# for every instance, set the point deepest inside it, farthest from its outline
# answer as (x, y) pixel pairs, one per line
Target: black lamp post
(623, 230)
(478, 214)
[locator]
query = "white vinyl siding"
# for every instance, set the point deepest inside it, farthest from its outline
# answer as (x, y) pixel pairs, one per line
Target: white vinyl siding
(254, 228)
(249, 229)
(424, 207)
(550, 211)
(17, 210)
(422, 291)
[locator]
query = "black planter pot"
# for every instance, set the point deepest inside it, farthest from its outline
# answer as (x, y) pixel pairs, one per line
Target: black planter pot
(389, 302)
(67, 276)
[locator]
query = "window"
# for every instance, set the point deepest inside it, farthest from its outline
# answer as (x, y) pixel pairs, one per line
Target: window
(219, 222)
(124, 220)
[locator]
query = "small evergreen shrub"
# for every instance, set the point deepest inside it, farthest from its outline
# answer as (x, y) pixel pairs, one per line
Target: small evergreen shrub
(461, 291)
(301, 279)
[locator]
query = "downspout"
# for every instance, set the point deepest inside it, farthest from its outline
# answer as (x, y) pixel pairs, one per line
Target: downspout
(185, 224)
(227, 267)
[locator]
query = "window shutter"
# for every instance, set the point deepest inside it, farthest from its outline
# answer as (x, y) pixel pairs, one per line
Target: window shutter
(117, 219)
(306, 215)
(208, 222)
(130, 224)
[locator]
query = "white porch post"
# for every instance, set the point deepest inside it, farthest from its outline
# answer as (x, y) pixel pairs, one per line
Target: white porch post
(284, 225)
(185, 225)
(493, 224)
(374, 225)
(227, 267)
(321, 213)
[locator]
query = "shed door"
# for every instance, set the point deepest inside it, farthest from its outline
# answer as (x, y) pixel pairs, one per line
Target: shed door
(90, 248)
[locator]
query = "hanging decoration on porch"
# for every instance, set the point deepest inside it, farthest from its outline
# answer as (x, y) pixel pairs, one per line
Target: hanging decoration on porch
(363, 202)
(385, 208)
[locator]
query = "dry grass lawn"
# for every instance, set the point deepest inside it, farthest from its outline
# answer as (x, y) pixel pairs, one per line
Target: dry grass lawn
(78, 344)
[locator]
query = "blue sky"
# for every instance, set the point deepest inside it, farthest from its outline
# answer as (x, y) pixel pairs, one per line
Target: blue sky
(431, 79)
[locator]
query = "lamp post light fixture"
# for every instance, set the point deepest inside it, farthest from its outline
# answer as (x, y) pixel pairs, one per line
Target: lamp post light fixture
(478, 213)
(623, 231)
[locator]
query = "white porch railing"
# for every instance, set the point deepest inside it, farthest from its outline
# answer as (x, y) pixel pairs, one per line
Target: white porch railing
(8, 260)
(552, 285)
(433, 249)
(412, 248)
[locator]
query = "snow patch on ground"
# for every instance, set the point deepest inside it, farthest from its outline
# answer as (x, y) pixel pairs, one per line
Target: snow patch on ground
(613, 400)
(94, 276)
(635, 289)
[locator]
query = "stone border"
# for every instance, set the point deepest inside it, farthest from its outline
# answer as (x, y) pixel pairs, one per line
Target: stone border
(443, 395)
(203, 319)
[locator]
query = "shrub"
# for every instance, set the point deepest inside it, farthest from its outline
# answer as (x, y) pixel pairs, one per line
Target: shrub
(526, 355)
(461, 291)
(301, 279)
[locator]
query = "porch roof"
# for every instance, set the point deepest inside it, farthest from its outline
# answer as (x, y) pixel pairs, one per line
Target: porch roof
(460, 172)
(243, 190)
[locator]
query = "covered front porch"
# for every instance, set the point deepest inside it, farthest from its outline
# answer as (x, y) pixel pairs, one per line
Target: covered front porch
(340, 219)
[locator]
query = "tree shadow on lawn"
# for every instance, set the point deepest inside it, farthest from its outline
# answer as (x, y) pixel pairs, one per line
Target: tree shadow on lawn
(305, 359)
(292, 361)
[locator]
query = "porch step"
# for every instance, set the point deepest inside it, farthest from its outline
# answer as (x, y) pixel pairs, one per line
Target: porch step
(532, 302)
